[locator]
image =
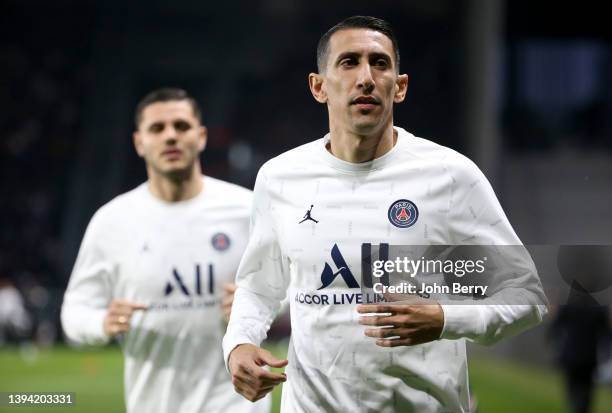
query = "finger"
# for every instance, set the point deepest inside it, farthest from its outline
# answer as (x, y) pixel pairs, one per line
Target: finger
(375, 308)
(255, 374)
(267, 358)
(113, 329)
(227, 301)
(384, 342)
(243, 390)
(229, 288)
(387, 332)
(129, 305)
(122, 312)
(377, 320)
(267, 389)
(404, 298)
(123, 319)
(252, 393)
(253, 386)
(266, 377)
(244, 380)
(118, 328)
(139, 306)
(262, 393)
(251, 396)
(260, 396)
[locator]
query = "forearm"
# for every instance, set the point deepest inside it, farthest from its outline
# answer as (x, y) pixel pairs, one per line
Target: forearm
(251, 317)
(492, 319)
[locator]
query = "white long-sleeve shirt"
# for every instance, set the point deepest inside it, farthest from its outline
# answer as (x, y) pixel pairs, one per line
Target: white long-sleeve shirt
(173, 257)
(312, 213)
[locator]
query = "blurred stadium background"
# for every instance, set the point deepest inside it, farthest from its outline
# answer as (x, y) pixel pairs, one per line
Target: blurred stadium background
(523, 88)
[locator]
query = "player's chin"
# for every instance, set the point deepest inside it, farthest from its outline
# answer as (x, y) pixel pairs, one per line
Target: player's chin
(175, 169)
(367, 124)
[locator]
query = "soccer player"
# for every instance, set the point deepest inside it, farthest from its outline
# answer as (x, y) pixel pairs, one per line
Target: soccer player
(316, 206)
(156, 267)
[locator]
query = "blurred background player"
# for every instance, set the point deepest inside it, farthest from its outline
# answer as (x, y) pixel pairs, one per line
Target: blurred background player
(156, 265)
(15, 322)
(369, 182)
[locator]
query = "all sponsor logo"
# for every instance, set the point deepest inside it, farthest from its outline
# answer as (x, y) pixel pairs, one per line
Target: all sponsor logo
(193, 286)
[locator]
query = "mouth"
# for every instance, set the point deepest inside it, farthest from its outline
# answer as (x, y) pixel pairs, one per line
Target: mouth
(365, 102)
(172, 153)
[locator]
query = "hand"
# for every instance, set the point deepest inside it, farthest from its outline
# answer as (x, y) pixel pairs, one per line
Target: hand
(228, 300)
(409, 323)
(118, 316)
(250, 379)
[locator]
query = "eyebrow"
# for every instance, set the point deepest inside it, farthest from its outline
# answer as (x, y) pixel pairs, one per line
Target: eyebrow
(357, 55)
(345, 55)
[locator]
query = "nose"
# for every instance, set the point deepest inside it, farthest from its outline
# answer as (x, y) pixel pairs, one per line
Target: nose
(365, 80)
(170, 135)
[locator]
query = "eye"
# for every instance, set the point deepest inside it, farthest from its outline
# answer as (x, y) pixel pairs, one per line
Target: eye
(156, 127)
(383, 63)
(348, 61)
(182, 126)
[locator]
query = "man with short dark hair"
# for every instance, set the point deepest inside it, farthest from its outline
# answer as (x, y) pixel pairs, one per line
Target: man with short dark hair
(366, 182)
(156, 267)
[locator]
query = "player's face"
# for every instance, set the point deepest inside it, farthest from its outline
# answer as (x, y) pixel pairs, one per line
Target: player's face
(360, 82)
(170, 137)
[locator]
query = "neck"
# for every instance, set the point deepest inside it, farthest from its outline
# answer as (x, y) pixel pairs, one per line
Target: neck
(357, 148)
(178, 187)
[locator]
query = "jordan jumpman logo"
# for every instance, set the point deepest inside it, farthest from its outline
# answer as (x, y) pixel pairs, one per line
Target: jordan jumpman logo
(308, 217)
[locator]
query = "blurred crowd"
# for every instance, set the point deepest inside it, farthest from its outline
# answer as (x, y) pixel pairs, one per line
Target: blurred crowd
(39, 122)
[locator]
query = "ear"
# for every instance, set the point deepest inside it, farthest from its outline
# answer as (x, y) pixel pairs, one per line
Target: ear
(137, 139)
(202, 138)
(315, 82)
(401, 87)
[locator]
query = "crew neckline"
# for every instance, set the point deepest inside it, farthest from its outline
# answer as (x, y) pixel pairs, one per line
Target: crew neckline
(178, 204)
(374, 164)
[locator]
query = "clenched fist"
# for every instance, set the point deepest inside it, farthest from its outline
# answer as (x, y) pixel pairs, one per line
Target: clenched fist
(118, 316)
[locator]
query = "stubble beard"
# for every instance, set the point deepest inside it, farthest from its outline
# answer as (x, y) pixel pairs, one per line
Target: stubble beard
(175, 174)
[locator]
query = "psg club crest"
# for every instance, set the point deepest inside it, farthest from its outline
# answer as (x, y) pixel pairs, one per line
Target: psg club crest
(220, 241)
(403, 213)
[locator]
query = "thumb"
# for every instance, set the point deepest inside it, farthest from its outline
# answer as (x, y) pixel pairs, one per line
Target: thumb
(267, 358)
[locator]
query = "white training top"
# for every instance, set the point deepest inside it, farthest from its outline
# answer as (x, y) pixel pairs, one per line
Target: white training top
(312, 213)
(174, 257)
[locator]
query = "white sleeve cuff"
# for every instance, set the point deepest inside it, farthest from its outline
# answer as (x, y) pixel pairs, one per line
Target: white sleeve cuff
(461, 321)
(84, 326)
(97, 327)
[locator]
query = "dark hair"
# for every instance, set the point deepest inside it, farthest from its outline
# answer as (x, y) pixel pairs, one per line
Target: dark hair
(167, 94)
(356, 22)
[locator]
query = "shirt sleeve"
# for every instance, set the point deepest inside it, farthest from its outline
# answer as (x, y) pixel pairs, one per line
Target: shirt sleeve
(516, 300)
(262, 277)
(89, 290)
